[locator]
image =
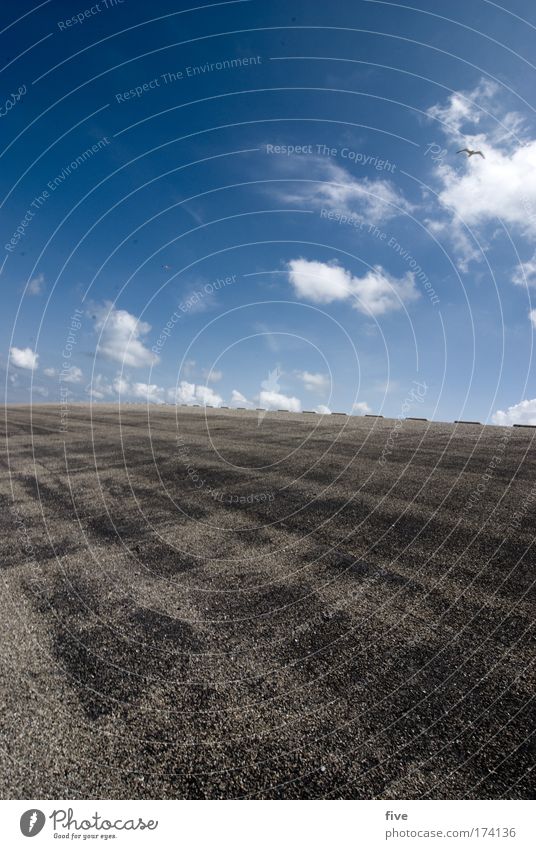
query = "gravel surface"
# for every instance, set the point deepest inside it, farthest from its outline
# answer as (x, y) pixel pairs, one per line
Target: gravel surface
(222, 604)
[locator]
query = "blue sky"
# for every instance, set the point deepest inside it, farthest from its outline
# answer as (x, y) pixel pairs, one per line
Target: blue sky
(262, 205)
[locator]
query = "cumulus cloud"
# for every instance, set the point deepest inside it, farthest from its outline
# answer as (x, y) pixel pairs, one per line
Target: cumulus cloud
(522, 413)
(525, 273)
(121, 385)
(277, 401)
(239, 400)
(532, 316)
(479, 191)
(207, 396)
(99, 388)
(191, 393)
(462, 110)
(149, 392)
(36, 284)
(184, 393)
(102, 387)
(71, 375)
(313, 382)
(24, 358)
(505, 187)
(121, 337)
(361, 408)
(319, 281)
(323, 410)
(377, 292)
(335, 189)
(465, 248)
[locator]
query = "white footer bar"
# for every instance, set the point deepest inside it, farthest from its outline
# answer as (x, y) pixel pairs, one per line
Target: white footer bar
(269, 824)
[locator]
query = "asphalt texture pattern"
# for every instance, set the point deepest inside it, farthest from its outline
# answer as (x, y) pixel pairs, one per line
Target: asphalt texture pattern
(231, 604)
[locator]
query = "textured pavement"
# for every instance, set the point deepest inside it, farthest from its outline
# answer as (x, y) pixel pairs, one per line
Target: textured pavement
(213, 604)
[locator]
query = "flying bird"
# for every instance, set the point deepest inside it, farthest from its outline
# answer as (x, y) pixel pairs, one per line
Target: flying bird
(471, 152)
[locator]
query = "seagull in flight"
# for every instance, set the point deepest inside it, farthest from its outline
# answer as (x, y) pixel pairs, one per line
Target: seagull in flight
(471, 152)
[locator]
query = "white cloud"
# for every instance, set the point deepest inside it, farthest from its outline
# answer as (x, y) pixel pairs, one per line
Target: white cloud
(188, 368)
(336, 189)
(149, 392)
(478, 191)
(361, 408)
(465, 247)
(99, 387)
(277, 401)
(120, 337)
(35, 286)
(323, 410)
(212, 375)
(71, 375)
(478, 114)
(102, 387)
(184, 393)
(40, 390)
(320, 282)
(239, 400)
(121, 385)
(191, 393)
(271, 339)
(525, 273)
(24, 358)
(314, 382)
(205, 396)
(522, 413)
(464, 109)
(377, 292)
(503, 185)
(197, 301)
(532, 316)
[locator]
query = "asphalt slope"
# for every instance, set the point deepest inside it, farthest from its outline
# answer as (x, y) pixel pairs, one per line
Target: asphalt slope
(212, 604)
